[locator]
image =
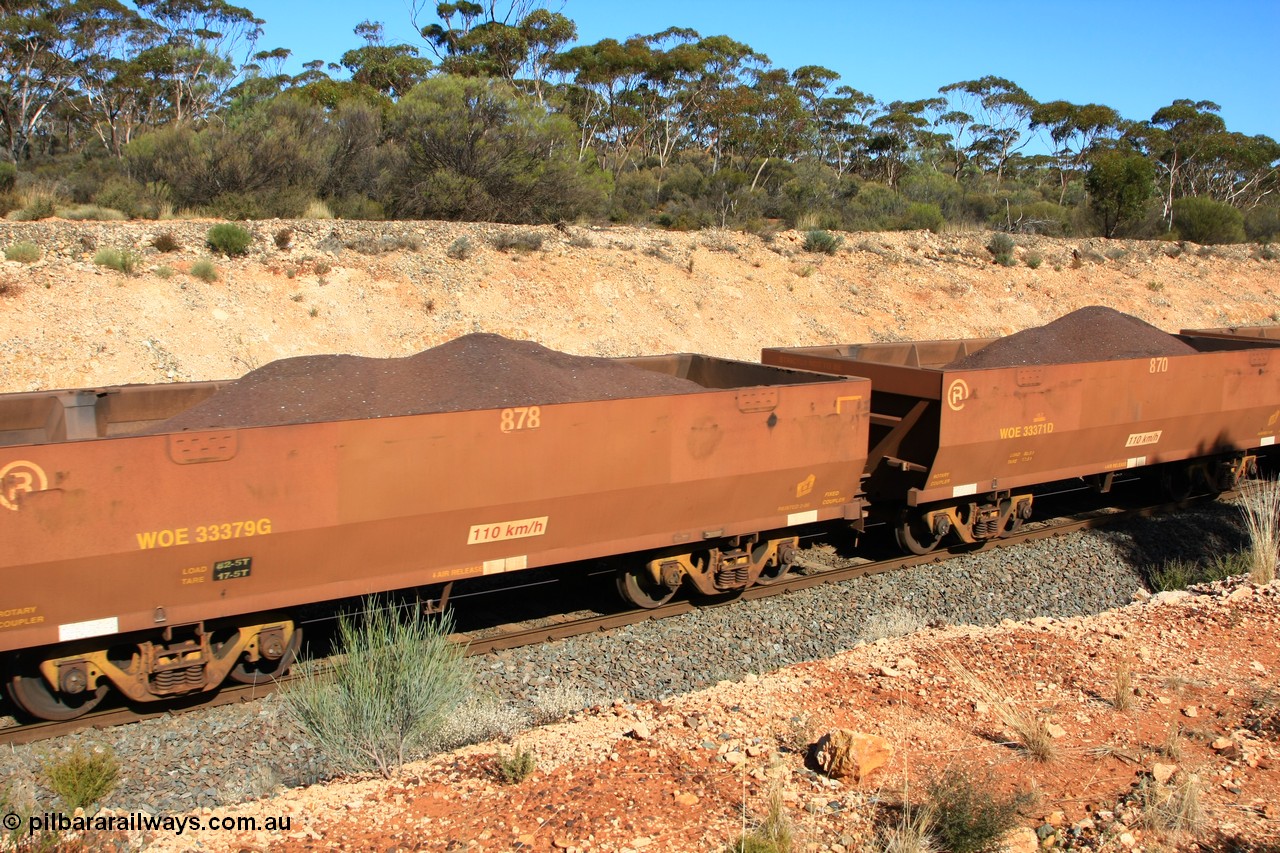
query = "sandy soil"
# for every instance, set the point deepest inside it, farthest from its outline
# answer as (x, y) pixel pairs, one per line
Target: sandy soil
(66, 322)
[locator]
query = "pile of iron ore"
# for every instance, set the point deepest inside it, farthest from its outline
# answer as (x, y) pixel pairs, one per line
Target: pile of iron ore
(1094, 333)
(479, 371)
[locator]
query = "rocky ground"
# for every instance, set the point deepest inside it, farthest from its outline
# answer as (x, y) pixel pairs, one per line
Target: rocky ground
(1195, 734)
(665, 758)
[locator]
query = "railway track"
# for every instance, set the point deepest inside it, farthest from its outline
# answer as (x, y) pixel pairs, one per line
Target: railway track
(813, 572)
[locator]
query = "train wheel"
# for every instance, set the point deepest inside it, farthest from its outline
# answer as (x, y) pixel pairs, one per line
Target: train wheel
(914, 534)
(638, 588)
(32, 694)
(265, 670)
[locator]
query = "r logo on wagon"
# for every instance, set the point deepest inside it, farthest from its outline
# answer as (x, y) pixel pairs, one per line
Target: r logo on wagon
(957, 394)
(19, 477)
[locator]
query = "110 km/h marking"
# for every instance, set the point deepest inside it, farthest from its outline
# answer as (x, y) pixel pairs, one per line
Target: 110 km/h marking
(500, 530)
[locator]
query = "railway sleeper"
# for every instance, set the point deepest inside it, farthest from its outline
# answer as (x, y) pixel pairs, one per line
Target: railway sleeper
(185, 659)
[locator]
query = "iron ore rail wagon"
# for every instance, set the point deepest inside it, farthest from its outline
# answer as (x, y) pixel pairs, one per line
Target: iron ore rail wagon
(956, 450)
(161, 562)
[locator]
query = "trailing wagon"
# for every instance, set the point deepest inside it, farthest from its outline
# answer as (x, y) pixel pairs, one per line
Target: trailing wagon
(956, 451)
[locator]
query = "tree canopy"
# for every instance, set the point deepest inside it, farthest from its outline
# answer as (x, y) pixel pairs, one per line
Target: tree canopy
(496, 107)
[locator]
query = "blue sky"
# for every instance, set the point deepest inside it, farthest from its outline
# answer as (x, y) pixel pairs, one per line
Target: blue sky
(1133, 56)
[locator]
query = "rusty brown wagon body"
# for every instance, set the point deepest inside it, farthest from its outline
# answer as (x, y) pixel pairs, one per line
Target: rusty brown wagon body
(1247, 336)
(958, 450)
(107, 534)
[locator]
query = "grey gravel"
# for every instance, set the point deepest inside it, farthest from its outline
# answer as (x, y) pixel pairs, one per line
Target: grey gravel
(229, 754)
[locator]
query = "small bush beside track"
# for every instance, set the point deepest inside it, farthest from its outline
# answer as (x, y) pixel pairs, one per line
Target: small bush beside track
(387, 696)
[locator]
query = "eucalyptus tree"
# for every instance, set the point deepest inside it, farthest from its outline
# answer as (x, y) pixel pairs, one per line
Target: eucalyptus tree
(46, 48)
(1120, 181)
(117, 98)
(845, 121)
(515, 41)
(894, 133)
(603, 97)
(1176, 138)
(812, 84)
(195, 64)
(391, 69)
(1001, 109)
(1073, 130)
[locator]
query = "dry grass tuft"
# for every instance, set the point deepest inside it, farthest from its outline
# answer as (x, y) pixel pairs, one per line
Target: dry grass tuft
(1029, 730)
(1172, 809)
(1122, 689)
(913, 833)
(1261, 508)
(1172, 746)
(773, 834)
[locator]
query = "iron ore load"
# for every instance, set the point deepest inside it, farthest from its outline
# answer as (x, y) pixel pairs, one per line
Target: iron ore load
(159, 539)
(963, 430)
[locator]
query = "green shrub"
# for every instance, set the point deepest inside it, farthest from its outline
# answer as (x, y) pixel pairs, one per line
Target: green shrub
(39, 207)
(92, 212)
(164, 271)
(128, 197)
(1261, 224)
(460, 249)
(120, 260)
(921, 216)
(968, 816)
(1203, 220)
(1033, 260)
(229, 239)
(517, 766)
(387, 696)
(8, 176)
(24, 252)
(1001, 247)
(204, 270)
(1180, 574)
(166, 243)
(822, 242)
(82, 777)
(519, 241)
